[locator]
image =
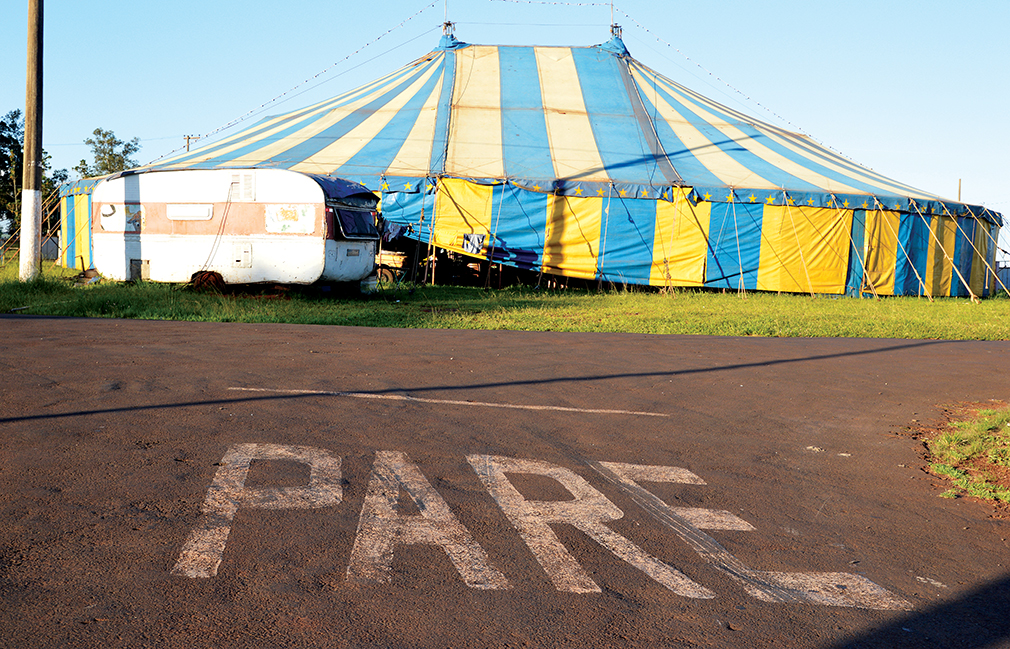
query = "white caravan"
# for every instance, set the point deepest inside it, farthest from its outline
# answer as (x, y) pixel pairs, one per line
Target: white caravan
(248, 225)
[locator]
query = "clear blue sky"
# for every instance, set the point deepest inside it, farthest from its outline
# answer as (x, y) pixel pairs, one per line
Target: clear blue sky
(916, 90)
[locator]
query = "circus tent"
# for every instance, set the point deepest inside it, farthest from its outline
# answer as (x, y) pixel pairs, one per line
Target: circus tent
(583, 162)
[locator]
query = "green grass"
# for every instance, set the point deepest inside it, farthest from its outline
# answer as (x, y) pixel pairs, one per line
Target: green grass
(968, 452)
(522, 308)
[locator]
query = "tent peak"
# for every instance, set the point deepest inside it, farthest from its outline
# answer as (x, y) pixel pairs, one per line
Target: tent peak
(449, 42)
(615, 44)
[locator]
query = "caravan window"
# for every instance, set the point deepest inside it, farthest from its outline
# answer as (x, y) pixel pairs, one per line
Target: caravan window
(351, 223)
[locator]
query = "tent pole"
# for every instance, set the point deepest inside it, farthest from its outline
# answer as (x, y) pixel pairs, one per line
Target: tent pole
(852, 244)
(741, 289)
(494, 236)
(603, 241)
(806, 271)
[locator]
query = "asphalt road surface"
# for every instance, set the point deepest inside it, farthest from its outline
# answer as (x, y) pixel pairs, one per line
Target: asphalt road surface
(224, 485)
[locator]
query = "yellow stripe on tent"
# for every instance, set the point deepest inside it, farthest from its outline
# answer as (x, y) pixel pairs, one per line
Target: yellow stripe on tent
(572, 240)
(462, 207)
(344, 148)
(414, 157)
(979, 270)
(804, 249)
(939, 264)
(65, 234)
(328, 117)
(680, 246)
(238, 141)
(880, 251)
(791, 140)
(78, 237)
(82, 206)
(773, 158)
(717, 161)
(277, 123)
(475, 146)
(569, 132)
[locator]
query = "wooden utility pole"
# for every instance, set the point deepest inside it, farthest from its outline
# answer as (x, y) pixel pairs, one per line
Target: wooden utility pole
(31, 192)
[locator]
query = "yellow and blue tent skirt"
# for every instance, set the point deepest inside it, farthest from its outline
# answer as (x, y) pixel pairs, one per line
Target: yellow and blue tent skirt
(680, 240)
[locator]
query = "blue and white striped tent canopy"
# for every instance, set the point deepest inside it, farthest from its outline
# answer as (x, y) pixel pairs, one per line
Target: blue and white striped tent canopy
(582, 161)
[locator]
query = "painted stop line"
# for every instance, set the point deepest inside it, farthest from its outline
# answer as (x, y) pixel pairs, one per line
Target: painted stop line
(382, 527)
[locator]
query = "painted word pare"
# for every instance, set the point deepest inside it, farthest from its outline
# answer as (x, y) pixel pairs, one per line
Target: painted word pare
(382, 527)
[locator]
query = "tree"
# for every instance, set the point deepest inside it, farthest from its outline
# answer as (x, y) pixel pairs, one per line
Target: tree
(110, 153)
(12, 137)
(12, 140)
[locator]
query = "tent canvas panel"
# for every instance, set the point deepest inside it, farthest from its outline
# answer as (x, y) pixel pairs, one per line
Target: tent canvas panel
(627, 240)
(734, 249)
(680, 248)
(573, 230)
(804, 249)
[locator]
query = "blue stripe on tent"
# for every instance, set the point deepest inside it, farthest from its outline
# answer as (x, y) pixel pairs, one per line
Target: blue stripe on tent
(518, 227)
(684, 161)
(910, 267)
(316, 143)
(70, 233)
(376, 156)
(619, 139)
(964, 253)
(300, 150)
(412, 210)
(298, 119)
(854, 276)
(734, 245)
(440, 142)
(755, 164)
(525, 145)
(195, 159)
(628, 237)
(808, 159)
(809, 162)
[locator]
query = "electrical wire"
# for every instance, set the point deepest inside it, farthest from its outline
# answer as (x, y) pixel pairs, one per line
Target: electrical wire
(309, 80)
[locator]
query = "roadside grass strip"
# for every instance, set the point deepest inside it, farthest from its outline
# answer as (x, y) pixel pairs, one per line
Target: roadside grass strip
(639, 310)
(974, 455)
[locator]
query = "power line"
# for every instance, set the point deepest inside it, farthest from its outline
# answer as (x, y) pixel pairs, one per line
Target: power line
(310, 79)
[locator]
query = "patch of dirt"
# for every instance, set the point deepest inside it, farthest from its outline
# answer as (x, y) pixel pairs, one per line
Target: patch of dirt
(980, 467)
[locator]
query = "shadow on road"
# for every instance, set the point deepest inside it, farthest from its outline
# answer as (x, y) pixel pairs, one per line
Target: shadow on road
(479, 386)
(977, 619)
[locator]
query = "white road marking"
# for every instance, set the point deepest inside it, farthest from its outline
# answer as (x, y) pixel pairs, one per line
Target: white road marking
(202, 553)
(587, 512)
(454, 402)
(825, 588)
(701, 517)
(381, 528)
(931, 582)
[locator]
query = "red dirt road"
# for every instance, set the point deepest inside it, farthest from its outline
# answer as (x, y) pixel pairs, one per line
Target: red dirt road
(223, 485)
